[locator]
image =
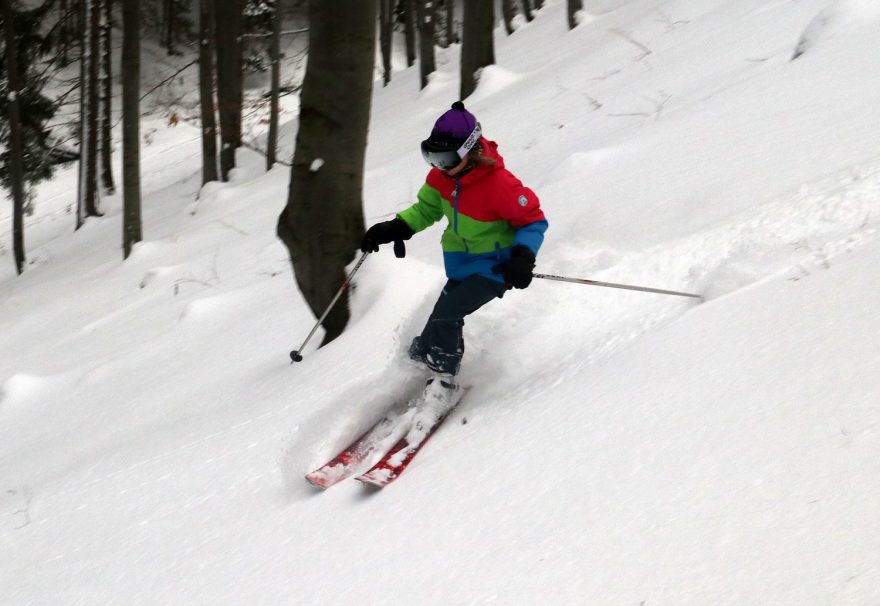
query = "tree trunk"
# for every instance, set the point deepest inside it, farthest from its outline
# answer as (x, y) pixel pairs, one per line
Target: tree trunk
(477, 45)
(527, 10)
(65, 31)
(323, 222)
(206, 91)
(508, 12)
(275, 54)
(16, 166)
(83, 98)
(451, 38)
(168, 16)
(228, 25)
(107, 98)
(573, 7)
(87, 205)
(164, 38)
(385, 39)
(409, 29)
(94, 106)
(425, 15)
(131, 163)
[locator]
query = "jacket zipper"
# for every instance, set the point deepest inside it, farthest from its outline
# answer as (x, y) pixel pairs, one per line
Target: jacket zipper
(455, 197)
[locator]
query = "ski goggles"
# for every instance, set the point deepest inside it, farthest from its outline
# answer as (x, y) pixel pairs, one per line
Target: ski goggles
(447, 159)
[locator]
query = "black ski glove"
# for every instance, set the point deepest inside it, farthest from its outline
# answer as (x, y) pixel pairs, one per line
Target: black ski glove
(396, 230)
(517, 271)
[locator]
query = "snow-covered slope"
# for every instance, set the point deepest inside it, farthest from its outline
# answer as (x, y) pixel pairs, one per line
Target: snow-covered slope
(617, 447)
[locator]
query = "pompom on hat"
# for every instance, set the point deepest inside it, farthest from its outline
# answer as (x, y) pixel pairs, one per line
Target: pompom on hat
(455, 133)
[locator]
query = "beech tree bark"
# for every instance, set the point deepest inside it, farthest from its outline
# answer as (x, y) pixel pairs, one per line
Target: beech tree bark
(229, 21)
(477, 45)
(508, 12)
(275, 56)
(131, 162)
(451, 37)
(425, 15)
(16, 166)
(107, 97)
(87, 199)
(409, 29)
(572, 7)
(206, 91)
(385, 19)
(323, 221)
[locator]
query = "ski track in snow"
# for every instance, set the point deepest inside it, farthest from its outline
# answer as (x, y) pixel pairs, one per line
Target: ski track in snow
(792, 237)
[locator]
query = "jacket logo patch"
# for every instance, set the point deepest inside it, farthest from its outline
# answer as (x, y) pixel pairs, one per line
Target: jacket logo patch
(523, 200)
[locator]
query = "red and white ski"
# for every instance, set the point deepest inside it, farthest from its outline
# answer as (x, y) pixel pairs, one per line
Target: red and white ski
(351, 459)
(402, 453)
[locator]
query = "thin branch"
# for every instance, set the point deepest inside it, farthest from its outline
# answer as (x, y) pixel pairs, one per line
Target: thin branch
(171, 77)
(253, 147)
(659, 105)
(645, 50)
(670, 24)
(284, 33)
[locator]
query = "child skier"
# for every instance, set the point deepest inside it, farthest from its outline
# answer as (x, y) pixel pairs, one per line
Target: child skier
(496, 227)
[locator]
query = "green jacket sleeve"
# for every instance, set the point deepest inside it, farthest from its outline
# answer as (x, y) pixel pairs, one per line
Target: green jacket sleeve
(425, 212)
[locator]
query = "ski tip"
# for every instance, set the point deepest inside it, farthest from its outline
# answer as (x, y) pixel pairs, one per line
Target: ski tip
(377, 478)
(322, 480)
(316, 481)
(371, 484)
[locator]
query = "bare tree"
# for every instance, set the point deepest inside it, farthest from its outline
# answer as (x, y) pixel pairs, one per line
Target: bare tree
(168, 25)
(106, 120)
(451, 37)
(16, 167)
(409, 29)
(527, 7)
(176, 24)
(131, 163)
(206, 91)
(385, 19)
(275, 57)
(425, 15)
(323, 221)
(573, 6)
(477, 45)
(229, 22)
(508, 12)
(66, 30)
(87, 202)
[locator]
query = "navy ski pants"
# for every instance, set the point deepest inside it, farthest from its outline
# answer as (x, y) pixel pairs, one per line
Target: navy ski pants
(441, 344)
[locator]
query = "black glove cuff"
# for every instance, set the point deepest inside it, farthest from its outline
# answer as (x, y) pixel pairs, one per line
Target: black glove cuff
(400, 229)
(521, 251)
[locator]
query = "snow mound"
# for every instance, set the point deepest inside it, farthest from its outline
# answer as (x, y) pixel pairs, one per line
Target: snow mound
(836, 21)
(24, 392)
(492, 80)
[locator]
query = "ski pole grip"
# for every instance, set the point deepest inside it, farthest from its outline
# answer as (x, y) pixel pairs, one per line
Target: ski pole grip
(399, 249)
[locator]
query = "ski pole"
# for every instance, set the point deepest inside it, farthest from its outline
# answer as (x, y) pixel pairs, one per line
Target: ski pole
(296, 355)
(612, 285)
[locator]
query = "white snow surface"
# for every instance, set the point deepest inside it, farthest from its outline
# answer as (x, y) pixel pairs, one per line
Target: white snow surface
(617, 448)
